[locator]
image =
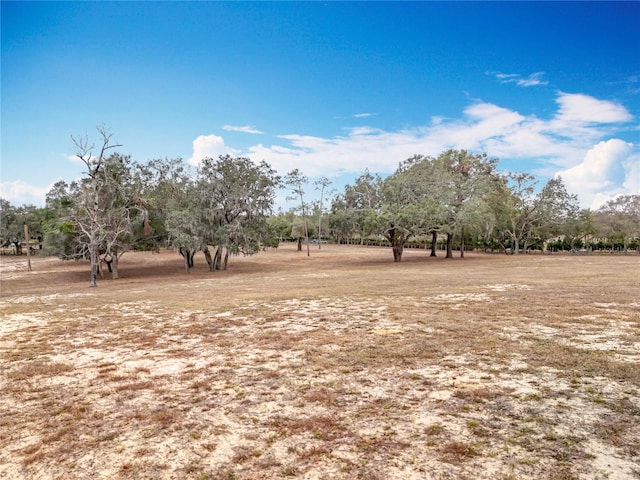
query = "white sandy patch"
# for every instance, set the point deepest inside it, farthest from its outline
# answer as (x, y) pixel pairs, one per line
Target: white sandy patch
(610, 331)
(53, 298)
(503, 287)
(441, 395)
(454, 301)
(459, 297)
(334, 314)
(318, 275)
(388, 331)
(17, 321)
(605, 305)
(607, 463)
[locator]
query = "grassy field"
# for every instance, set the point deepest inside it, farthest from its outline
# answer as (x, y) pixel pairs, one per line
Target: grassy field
(342, 365)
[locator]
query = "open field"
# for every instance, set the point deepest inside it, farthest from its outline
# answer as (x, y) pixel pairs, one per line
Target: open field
(342, 365)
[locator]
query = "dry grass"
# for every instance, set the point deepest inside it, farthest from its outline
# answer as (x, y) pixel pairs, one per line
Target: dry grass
(342, 365)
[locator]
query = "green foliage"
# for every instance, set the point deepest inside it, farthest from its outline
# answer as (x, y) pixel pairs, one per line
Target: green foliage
(299, 230)
(162, 185)
(234, 198)
(227, 203)
(67, 227)
(444, 194)
(620, 219)
(461, 194)
(13, 219)
(525, 217)
(280, 226)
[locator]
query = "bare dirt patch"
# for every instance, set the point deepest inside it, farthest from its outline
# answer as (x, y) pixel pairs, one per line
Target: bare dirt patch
(340, 365)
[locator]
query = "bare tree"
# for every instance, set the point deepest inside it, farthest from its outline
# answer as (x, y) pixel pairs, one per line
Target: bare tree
(90, 219)
(321, 185)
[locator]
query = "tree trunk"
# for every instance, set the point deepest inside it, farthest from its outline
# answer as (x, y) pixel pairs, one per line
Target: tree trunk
(209, 258)
(100, 269)
(515, 250)
(115, 259)
(217, 258)
(93, 281)
(434, 243)
(398, 248)
(188, 258)
(28, 237)
(108, 263)
(462, 243)
(226, 259)
(397, 244)
(449, 245)
(299, 244)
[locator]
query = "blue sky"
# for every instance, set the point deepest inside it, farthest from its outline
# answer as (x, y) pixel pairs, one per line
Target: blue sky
(330, 88)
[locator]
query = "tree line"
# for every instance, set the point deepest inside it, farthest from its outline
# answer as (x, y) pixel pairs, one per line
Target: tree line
(225, 207)
(461, 196)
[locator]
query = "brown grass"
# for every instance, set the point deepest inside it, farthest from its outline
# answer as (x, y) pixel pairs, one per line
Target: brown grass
(341, 365)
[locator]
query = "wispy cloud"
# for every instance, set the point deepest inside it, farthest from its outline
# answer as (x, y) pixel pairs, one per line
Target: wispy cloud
(243, 129)
(363, 115)
(555, 145)
(532, 80)
(505, 77)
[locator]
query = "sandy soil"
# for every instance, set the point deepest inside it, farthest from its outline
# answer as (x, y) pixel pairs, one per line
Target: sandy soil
(340, 365)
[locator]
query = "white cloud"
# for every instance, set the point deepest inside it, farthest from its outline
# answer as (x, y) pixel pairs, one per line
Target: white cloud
(377, 150)
(555, 144)
(506, 77)
(209, 146)
(482, 122)
(532, 80)
(631, 166)
(243, 129)
(609, 169)
(584, 109)
(363, 115)
(23, 193)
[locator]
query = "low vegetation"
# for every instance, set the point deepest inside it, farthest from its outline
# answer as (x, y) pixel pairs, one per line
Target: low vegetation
(341, 365)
